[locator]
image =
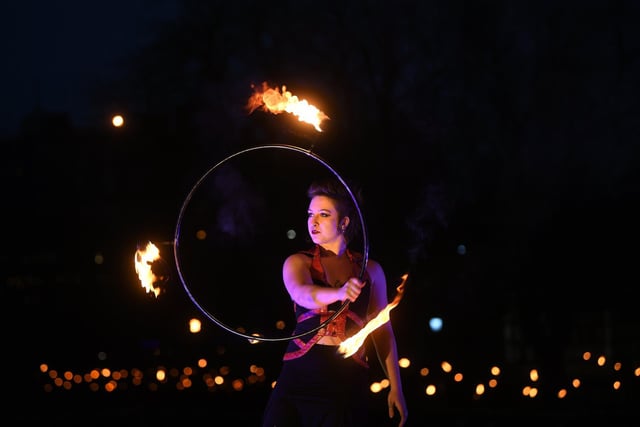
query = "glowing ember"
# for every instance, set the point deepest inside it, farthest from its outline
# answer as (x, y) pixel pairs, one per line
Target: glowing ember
(270, 99)
(349, 346)
(143, 260)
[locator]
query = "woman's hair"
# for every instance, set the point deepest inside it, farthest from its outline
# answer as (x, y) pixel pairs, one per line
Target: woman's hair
(334, 189)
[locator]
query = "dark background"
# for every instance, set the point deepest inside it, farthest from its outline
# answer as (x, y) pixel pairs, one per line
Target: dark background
(496, 144)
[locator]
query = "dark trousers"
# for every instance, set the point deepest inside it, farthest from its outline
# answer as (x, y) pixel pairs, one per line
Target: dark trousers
(319, 389)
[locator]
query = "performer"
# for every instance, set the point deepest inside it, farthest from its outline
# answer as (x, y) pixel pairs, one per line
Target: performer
(317, 386)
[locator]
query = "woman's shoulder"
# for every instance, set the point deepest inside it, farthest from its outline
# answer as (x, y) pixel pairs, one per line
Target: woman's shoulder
(372, 261)
(309, 252)
(304, 256)
(372, 264)
(374, 269)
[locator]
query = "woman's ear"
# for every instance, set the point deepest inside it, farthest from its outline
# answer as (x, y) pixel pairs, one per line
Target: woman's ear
(345, 222)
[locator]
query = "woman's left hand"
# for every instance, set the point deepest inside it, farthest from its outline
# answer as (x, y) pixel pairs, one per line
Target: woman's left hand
(395, 400)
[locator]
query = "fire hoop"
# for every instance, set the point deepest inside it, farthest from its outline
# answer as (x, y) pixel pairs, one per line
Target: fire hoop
(185, 205)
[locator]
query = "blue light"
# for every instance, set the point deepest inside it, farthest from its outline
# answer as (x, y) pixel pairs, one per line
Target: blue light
(435, 323)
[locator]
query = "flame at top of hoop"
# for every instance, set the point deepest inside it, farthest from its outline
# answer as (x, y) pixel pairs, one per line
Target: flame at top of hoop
(272, 100)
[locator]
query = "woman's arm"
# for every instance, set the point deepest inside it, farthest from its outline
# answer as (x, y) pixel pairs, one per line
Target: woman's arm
(299, 284)
(385, 343)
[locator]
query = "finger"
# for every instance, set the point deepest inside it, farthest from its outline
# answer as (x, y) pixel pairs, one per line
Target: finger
(403, 418)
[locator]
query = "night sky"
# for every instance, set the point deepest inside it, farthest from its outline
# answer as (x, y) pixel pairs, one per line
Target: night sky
(495, 144)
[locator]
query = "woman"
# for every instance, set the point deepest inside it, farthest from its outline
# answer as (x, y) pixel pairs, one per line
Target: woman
(317, 386)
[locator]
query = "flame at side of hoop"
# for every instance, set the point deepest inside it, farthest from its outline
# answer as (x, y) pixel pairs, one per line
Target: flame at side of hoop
(349, 346)
(143, 262)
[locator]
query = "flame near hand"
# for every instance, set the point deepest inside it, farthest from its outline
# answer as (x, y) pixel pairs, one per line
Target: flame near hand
(349, 346)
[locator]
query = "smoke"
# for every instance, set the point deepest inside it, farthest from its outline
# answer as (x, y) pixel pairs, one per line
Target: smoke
(240, 206)
(427, 219)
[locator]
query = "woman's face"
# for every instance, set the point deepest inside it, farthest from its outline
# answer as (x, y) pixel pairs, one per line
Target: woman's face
(323, 220)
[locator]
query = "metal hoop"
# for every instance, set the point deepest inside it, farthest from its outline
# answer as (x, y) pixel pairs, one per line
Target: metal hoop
(176, 240)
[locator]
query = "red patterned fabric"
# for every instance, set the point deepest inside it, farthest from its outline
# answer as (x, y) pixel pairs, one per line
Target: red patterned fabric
(336, 328)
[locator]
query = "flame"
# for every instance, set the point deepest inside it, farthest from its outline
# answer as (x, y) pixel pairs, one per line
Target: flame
(270, 99)
(143, 260)
(349, 346)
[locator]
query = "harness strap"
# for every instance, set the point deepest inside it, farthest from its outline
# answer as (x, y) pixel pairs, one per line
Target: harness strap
(334, 328)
